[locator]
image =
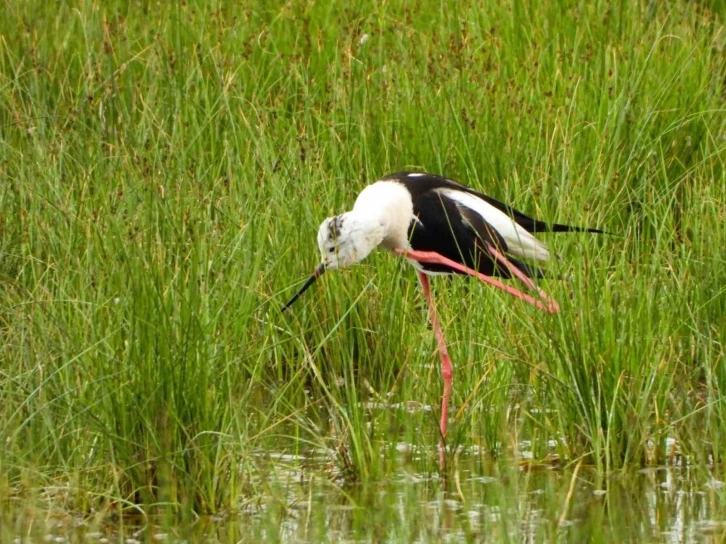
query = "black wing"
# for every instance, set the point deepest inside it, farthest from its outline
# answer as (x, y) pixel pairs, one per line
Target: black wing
(459, 234)
(424, 183)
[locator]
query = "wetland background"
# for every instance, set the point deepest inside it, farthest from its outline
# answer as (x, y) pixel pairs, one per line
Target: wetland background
(163, 171)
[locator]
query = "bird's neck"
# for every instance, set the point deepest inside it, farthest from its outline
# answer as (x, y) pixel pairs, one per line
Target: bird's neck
(366, 229)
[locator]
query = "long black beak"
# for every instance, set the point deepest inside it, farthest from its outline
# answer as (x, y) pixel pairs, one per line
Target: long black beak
(318, 272)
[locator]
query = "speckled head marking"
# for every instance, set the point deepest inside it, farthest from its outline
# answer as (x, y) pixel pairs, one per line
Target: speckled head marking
(335, 226)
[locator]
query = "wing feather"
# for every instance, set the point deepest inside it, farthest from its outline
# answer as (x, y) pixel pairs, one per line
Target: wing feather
(519, 241)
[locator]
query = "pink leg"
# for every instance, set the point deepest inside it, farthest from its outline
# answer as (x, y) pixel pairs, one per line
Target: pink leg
(434, 258)
(552, 305)
(447, 369)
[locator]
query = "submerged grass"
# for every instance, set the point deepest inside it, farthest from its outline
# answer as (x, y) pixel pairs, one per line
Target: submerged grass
(164, 169)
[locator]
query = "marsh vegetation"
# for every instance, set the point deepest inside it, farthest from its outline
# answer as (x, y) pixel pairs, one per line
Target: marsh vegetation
(163, 171)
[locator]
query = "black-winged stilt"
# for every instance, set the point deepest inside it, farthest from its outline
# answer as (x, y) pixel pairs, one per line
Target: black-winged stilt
(441, 227)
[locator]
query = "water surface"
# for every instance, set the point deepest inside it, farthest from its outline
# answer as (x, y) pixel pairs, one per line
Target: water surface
(308, 500)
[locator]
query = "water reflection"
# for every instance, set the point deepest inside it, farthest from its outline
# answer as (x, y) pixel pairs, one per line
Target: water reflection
(480, 499)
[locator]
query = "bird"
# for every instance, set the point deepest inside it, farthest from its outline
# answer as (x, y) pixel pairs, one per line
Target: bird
(441, 227)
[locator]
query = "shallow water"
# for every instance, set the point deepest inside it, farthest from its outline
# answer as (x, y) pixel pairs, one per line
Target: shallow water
(481, 499)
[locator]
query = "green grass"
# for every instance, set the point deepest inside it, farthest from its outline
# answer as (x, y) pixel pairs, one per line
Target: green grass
(163, 171)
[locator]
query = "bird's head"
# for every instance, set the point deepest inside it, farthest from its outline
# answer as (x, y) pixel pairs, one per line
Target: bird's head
(344, 240)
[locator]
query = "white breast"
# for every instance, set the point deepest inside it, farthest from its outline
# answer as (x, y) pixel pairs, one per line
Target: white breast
(390, 202)
(519, 242)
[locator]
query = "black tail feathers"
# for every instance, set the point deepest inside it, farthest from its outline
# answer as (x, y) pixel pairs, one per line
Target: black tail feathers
(556, 227)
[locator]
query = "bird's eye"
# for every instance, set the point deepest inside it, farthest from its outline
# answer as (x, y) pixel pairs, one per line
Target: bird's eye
(331, 249)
